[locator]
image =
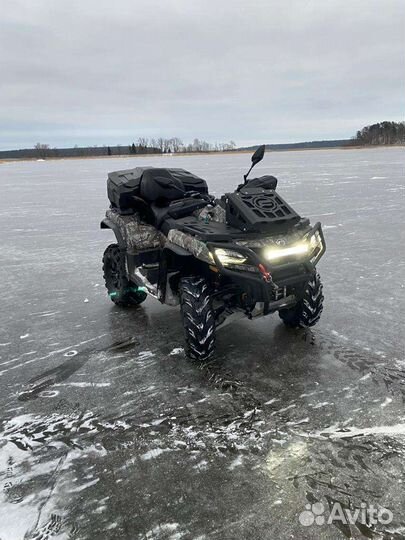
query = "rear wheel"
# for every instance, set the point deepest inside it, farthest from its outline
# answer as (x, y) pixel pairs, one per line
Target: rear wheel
(198, 317)
(121, 291)
(308, 310)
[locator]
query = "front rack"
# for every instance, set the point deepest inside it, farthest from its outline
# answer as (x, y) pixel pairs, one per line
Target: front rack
(254, 209)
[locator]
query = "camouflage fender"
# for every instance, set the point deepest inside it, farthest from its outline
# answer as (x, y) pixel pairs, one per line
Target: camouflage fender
(212, 213)
(136, 234)
(190, 244)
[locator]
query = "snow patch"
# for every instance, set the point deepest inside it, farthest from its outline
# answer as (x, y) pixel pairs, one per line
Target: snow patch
(298, 422)
(271, 401)
(154, 453)
(386, 402)
(177, 350)
(319, 405)
(145, 354)
(235, 463)
(333, 433)
(162, 528)
(292, 406)
(48, 393)
(86, 384)
(84, 486)
(70, 353)
(202, 465)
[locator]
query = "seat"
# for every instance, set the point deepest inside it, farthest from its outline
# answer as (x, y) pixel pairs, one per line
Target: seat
(175, 210)
(161, 186)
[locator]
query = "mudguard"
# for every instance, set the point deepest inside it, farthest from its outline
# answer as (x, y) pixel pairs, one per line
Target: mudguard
(174, 256)
(108, 224)
(177, 250)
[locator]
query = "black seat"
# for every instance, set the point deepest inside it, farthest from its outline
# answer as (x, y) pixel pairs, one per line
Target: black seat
(160, 186)
(175, 210)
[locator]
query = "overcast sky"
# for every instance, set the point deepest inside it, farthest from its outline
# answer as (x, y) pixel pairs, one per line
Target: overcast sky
(106, 72)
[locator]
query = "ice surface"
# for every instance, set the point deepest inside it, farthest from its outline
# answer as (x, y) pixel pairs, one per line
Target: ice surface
(100, 401)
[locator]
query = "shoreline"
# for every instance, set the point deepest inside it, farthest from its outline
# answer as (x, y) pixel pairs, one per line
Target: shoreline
(192, 154)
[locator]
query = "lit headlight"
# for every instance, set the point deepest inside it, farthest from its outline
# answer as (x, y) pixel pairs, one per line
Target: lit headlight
(272, 254)
(228, 256)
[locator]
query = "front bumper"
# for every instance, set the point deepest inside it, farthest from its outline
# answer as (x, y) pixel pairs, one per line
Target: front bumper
(292, 274)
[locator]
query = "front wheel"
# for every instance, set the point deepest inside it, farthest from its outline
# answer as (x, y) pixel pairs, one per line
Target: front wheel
(121, 291)
(198, 317)
(308, 311)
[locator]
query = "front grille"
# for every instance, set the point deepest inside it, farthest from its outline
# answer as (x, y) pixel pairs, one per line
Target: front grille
(293, 273)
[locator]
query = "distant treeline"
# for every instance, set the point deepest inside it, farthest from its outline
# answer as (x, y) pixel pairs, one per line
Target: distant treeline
(152, 146)
(381, 133)
(142, 146)
(335, 143)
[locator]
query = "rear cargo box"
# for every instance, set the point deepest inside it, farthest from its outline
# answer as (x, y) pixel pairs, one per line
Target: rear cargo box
(122, 186)
(191, 181)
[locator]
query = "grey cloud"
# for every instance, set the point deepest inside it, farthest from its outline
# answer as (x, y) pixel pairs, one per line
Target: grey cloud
(106, 72)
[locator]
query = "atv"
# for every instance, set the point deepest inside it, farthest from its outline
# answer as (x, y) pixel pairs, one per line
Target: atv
(246, 254)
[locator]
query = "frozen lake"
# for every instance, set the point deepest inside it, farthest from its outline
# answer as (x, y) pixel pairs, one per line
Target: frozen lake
(108, 431)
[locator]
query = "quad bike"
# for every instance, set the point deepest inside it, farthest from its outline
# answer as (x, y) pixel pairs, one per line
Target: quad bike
(248, 253)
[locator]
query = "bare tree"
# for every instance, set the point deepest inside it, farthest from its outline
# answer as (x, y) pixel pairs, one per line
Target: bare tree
(196, 145)
(205, 146)
(176, 144)
(161, 144)
(143, 143)
(42, 150)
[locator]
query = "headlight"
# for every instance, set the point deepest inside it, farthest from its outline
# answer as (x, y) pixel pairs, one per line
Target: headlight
(272, 254)
(228, 256)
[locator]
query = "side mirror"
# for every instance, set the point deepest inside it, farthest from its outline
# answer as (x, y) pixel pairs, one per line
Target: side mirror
(259, 154)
